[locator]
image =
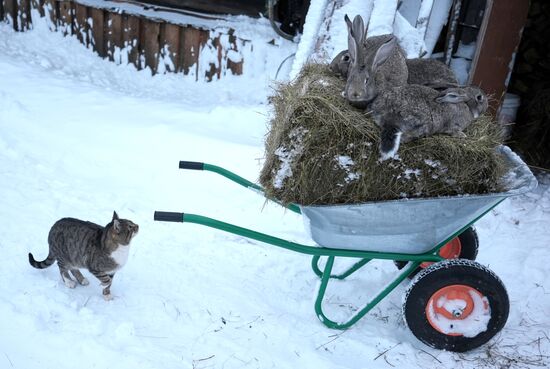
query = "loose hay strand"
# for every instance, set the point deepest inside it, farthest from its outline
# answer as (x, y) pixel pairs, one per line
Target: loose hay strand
(314, 130)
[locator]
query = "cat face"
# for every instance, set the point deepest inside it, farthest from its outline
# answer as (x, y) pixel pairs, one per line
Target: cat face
(123, 230)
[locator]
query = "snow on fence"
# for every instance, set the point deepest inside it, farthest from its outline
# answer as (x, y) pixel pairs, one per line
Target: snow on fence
(124, 36)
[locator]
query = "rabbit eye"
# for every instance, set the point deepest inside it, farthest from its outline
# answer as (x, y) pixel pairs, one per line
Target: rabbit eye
(346, 58)
(479, 98)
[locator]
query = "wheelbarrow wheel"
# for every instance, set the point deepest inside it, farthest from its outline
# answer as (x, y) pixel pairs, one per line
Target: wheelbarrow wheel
(464, 246)
(455, 305)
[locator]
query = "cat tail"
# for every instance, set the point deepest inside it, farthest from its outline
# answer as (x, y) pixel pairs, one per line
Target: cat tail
(390, 137)
(41, 264)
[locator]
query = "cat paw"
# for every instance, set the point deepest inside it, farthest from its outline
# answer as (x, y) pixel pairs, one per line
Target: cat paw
(69, 283)
(84, 282)
(108, 297)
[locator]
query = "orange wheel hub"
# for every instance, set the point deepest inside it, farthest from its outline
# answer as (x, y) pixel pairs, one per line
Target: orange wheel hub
(452, 303)
(451, 250)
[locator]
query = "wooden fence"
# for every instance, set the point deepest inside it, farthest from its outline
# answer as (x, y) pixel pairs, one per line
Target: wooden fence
(121, 37)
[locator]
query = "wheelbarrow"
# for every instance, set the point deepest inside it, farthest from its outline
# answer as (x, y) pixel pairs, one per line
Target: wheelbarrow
(451, 303)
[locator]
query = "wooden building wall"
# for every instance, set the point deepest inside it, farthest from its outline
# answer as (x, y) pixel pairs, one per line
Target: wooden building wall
(118, 36)
(498, 41)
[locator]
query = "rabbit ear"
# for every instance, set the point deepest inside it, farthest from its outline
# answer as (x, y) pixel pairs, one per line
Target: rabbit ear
(482, 104)
(352, 46)
(358, 28)
(348, 22)
(384, 52)
(452, 97)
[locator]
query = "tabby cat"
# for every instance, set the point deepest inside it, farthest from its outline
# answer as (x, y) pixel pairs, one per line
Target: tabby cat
(78, 244)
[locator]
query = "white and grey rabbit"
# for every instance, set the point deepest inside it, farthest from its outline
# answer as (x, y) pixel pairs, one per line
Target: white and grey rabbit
(420, 71)
(363, 82)
(413, 111)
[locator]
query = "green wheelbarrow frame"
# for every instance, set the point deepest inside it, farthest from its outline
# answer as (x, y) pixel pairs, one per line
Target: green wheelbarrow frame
(414, 260)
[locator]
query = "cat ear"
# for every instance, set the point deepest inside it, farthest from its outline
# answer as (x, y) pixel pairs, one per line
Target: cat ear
(116, 225)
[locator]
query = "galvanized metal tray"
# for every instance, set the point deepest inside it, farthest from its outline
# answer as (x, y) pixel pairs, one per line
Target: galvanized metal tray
(409, 225)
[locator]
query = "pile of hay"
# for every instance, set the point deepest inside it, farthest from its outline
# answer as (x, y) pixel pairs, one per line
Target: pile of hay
(321, 150)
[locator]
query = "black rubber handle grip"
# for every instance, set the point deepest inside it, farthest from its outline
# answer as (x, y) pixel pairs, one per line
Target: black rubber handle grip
(168, 216)
(195, 165)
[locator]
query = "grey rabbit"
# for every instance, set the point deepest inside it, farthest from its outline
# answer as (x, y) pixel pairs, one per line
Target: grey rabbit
(340, 64)
(363, 82)
(413, 111)
(420, 71)
(75, 244)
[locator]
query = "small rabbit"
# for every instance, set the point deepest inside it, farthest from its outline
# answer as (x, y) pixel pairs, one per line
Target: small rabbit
(363, 82)
(421, 71)
(413, 111)
(340, 64)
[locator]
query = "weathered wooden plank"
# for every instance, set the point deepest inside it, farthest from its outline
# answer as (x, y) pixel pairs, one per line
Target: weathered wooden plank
(423, 18)
(213, 70)
(130, 39)
(98, 31)
(81, 28)
(113, 37)
(497, 43)
(170, 46)
(23, 15)
(37, 5)
(10, 12)
(236, 68)
(189, 50)
(422, 21)
(204, 36)
(50, 12)
(234, 60)
(65, 21)
(451, 31)
(150, 45)
(220, 53)
(383, 12)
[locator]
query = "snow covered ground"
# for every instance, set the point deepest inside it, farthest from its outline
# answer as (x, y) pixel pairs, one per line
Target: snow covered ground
(82, 137)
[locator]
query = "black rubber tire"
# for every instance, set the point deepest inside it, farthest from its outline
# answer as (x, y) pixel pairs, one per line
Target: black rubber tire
(469, 243)
(446, 273)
